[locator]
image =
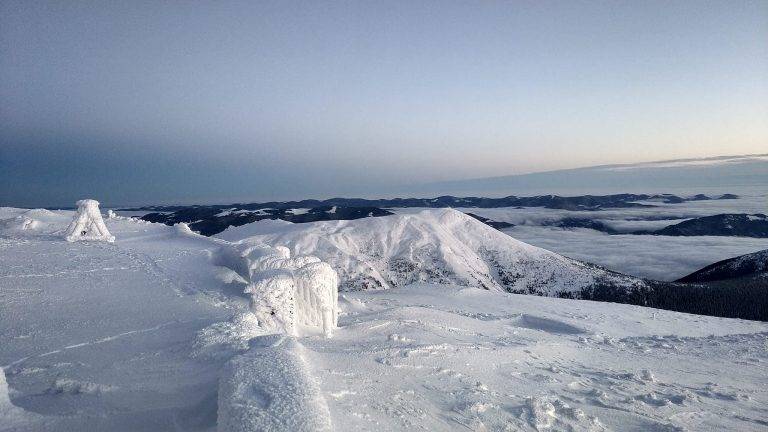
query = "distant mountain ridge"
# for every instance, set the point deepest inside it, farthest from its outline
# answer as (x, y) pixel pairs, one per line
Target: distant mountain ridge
(729, 224)
(743, 266)
(725, 224)
(449, 247)
(209, 220)
(579, 202)
(212, 219)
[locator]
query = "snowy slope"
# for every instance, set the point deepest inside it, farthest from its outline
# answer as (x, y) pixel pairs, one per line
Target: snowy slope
(436, 246)
(749, 265)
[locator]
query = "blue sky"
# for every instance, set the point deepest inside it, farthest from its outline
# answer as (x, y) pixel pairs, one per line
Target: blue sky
(134, 102)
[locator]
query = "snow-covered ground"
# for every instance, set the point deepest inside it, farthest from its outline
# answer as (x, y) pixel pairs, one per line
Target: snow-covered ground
(98, 336)
(431, 357)
(147, 335)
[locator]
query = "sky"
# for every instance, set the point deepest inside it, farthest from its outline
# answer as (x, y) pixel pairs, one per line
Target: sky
(179, 102)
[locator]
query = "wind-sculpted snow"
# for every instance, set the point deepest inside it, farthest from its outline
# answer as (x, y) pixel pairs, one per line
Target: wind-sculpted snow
(289, 292)
(436, 246)
(270, 389)
(443, 358)
(25, 223)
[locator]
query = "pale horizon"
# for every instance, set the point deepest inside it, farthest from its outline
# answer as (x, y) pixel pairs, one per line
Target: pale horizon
(153, 102)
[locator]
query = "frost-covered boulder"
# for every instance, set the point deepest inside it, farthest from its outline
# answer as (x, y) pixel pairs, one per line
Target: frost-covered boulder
(289, 292)
(88, 224)
(273, 301)
(13, 418)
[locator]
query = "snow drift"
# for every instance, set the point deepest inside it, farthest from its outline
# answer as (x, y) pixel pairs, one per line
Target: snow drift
(435, 246)
(270, 389)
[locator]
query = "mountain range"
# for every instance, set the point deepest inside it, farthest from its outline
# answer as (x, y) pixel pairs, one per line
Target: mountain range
(212, 219)
(449, 247)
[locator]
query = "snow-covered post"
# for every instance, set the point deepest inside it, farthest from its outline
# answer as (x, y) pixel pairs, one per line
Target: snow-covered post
(5, 400)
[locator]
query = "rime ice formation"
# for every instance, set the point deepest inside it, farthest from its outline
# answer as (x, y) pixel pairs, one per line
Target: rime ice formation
(88, 224)
(288, 292)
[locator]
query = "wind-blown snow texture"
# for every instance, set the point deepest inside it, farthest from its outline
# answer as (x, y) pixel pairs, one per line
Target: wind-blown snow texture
(146, 334)
(429, 357)
(270, 389)
(436, 246)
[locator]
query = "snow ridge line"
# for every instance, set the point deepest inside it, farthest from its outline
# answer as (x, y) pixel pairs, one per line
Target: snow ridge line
(270, 388)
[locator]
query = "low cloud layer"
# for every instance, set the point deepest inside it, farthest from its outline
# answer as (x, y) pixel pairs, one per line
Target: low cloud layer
(655, 257)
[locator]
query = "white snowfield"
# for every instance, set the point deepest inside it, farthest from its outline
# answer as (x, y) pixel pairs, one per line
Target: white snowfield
(433, 246)
(154, 333)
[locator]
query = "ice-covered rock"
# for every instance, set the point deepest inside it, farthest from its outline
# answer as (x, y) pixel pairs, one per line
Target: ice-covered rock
(273, 301)
(287, 292)
(13, 418)
(88, 224)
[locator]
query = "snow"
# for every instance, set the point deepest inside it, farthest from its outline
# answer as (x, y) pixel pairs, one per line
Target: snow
(429, 357)
(154, 333)
(97, 336)
(88, 224)
(270, 389)
(438, 246)
(288, 292)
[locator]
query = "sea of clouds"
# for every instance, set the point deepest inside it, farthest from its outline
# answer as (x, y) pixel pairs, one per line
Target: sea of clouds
(656, 257)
